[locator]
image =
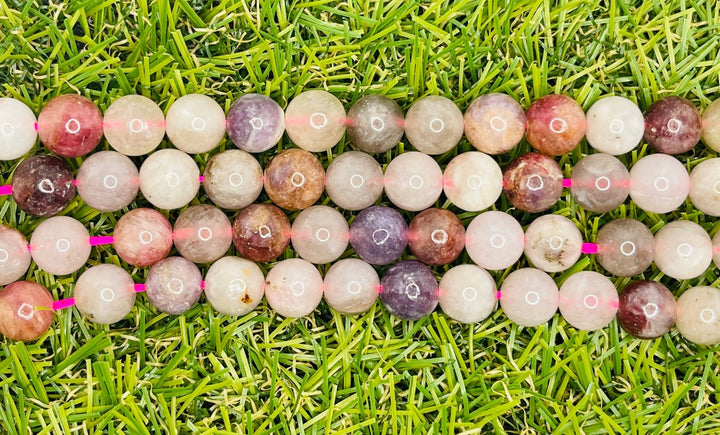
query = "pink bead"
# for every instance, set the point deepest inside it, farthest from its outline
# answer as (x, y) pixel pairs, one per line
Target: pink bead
(588, 301)
(529, 297)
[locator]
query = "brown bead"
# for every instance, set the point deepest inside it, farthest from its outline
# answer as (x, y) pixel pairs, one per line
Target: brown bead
(533, 182)
(625, 247)
(294, 179)
(436, 236)
(555, 124)
(672, 125)
(25, 311)
(647, 309)
(70, 125)
(143, 237)
(261, 232)
(42, 185)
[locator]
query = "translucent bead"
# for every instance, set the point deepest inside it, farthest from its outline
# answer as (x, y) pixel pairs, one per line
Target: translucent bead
(195, 123)
(672, 125)
(315, 120)
(60, 245)
(436, 236)
(70, 125)
(294, 288)
(494, 123)
(169, 179)
(615, 125)
(261, 232)
(494, 240)
(108, 181)
(588, 301)
(600, 183)
(711, 126)
(555, 124)
(467, 293)
(413, 181)
(14, 255)
(294, 179)
(647, 309)
(659, 183)
(233, 179)
(626, 247)
(173, 285)
(42, 185)
(134, 125)
(25, 311)
(472, 181)
(17, 129)
(683, 250)
(105, 293)
(705, 187)
(255, 123)
(354, 180)
(379, 235)
(375, 124)
(202, 233)
(698, 315)
(552, 243)
(533, 182)
(529, 297)
(320, 234)
(409, 290)
(234, 286)
(434, 125)
(351, 286)
(142, 237)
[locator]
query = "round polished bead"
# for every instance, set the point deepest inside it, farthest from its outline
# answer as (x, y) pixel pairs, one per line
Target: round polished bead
(533, 182)
(60, 245)
(698, 315)
(195, 123)
(375, 124)
(600, 183)
(588, 301)
(42, 185)
(105, 293)
(202, 233)
(169, 179)
(711, 125)
(294, 179)
(320, 234)
(173, 285)
(647, 309)
(413, 181)
(552, 243)
(672, 125)
(494, 240)
(142, 237)
(255, 123)
(379, 235)
(529, 297)
(555, 124)
(70, 125)
(467, 293)
(683, 250)
(626, 247)
(354, 180)
(434, 125)
(351, 286)
(261, 232)
(315, 120)
(234, 286)
(659, 183)
(409, 290)
(14, 255)
(705, 187)
(436, 236)
(134, 125)
(17, 129)
(294, 288)
(472, 181)
(494, 123)
(615, 125)
(233, 179)
(108, 181)
(25, 311)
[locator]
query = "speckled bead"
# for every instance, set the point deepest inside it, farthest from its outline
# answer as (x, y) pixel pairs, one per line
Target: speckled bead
(436, 236)
(626, 247)
(555, 124)
(261, 232)
(494, 123)
(234, 286)
(294, 179)
(379, 235)
(552, 243)
(70, 125)
(142, 237)
(255, 123)
(533, 182)
(173, 285)
(409, 290)
(375, 124)
(600, 183)
(647, 309)
(672, 125)
(42, 185)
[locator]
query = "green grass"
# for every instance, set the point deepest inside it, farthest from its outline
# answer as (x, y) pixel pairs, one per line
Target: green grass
(327, 373)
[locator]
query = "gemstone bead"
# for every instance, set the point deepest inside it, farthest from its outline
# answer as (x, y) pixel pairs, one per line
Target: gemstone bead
(202, 233)
(351, 286)
(436, 236)
(379, 235)
(683, 250)
(17, 129)
(169, 179)
(705, 187)
(615, 125)
(413, 181)
(320, 234)
(711, 125)
(195, 123)
(25, 311)
(294, 179)
(472, 181)
(108, 181)
(494, 123)
(315, 121)
(233, 179)
(105, 293)
(626, 247)
(647, 309)
(409, 290)
(70, 125)
(261, 232)
(552, 243)
(659, 183)
(255, 123)
(42, 185)
(588, 301)
(716, 249)
(533, 182)
(467, 293)
(529, 297)
(173, 285)
(234, 286)
(494, 240)
(600, 183)
(60, 245)
(375, 124)
(555, 124)
(14, 255)
(142, 237)
(698, 315)
(294, 288)
(672, 125)
(434, 125)
(354, 180)
(134, 125)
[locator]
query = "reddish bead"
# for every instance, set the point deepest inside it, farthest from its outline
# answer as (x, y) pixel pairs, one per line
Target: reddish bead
(555, 124)
(143, 237)
(70, 125)
(436, 236)
(294, 179)
(672, 125)
(25, 311)
(261, 232)
(533, 182)
(42, 185)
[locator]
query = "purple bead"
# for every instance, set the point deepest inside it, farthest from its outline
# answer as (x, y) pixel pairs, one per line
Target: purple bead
(379, 235)
(255, 123)
(42, 185)
(409, 290)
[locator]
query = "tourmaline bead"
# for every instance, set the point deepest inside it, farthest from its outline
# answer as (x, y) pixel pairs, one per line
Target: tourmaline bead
(320, 234)
(494, 240)
(173, 285)
(533, 182)
(60, 245)
(294, 179)
(436, 236)
(588, 300)
(472, 181)
(169, 179)
(672, 125)
(25, 311)
(375, 124)
(202, 233)
(467, 293)
(233, 179)
(142, 237)
(434, 125)
(294, 287)
(105, 293)
(108, 181)
(626, 247)
(255, 123)
(351, 286)
(552, 243)
(600, 183)
(659, 183)
(234, 286)
(42, 185)
(698, 315)
(529, 297)
(716, 249)
(261, 232)
(70, 125)
(615, 125)
(711, 125)
(379, 235)
(315, 120)
(647, 309)
(195, 123)
(409, 290)
(494, 123)
(14, 255)
(17, 129)
(134, 125)
(354, 180)
(555, 124)
(413, 181)
(683, 250)
(705, 187)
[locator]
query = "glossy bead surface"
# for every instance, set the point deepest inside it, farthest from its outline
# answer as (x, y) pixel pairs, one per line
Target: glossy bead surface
(552, 243)
(672, 125)
(588, 301)
(354, 180)
(294, 179)
(315, 120)
(494, 123)
(14, 255)
(70, 125)
(261, 232)
(555, 124)
(173, 285)
(60, 245)
(626, 247)
(647, 309)
(320, 234)
(409, 290)
(533, 182)
(105, 293)
(659, 183)
(169, 179)
(683, 250)
(142, 237)
(698, 315)
(413, 181)
(379, 235)
(25, 311)
(615, 125)
(202, 233)
(600, 183)
(108, 181)
(436, 236)
(375, 124)
(294, 288)
(17, 129)
(467, 293)
(234, 286)
(434, 125)
(42, 185)
(134, 125)
(351, 286)
(472, 181)
(494, 240)
(705, 187)
(233, 179)
(255, 123)
(529, 297)
(195, 123)
(711, 125)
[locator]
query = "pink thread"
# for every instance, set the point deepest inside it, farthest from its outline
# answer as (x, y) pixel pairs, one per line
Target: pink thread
(202, 285)
(74, 182)
(379, 289)
(139, 287)
(589, 248)
(498, 295)
(567, 182)
(63, 303)
(202, 179)
(6, 190)
(614, 304)
(101, 240)
(35, 125)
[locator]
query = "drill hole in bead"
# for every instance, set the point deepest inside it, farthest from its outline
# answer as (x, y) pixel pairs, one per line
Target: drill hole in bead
(469, 294)
(172, 179)
(556, 243)
(474, 182)
(437, 125)
(297, 288)
(237, 285)
(4, 256)
(72, 126)
(297, 179)
(617, 126)
(7, 129)
(535, 182)
(46, 186)
(264, 231)
(661, 184)
(110, 182)
(107, 295)
(136, 125)
(707, 315)
(357, 181)
(591, 302)
(602, 183)
(558, 125)
(353, 287)
(716, 187)
(498, 124)
(257, 123)
(412, 291)
(627, 248)
(497, 241)
(205, 234)
(26, 311)
(684, 250)
(318, 120)
(198, 124)
(175, 286)
(235, 179)
(440, 237)
(322, 234)
(145, 237)
(62, 245)
(377, 123)
(674, 125)
(650, 310)
(532, 298)
(380, 236)
(416, 182)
